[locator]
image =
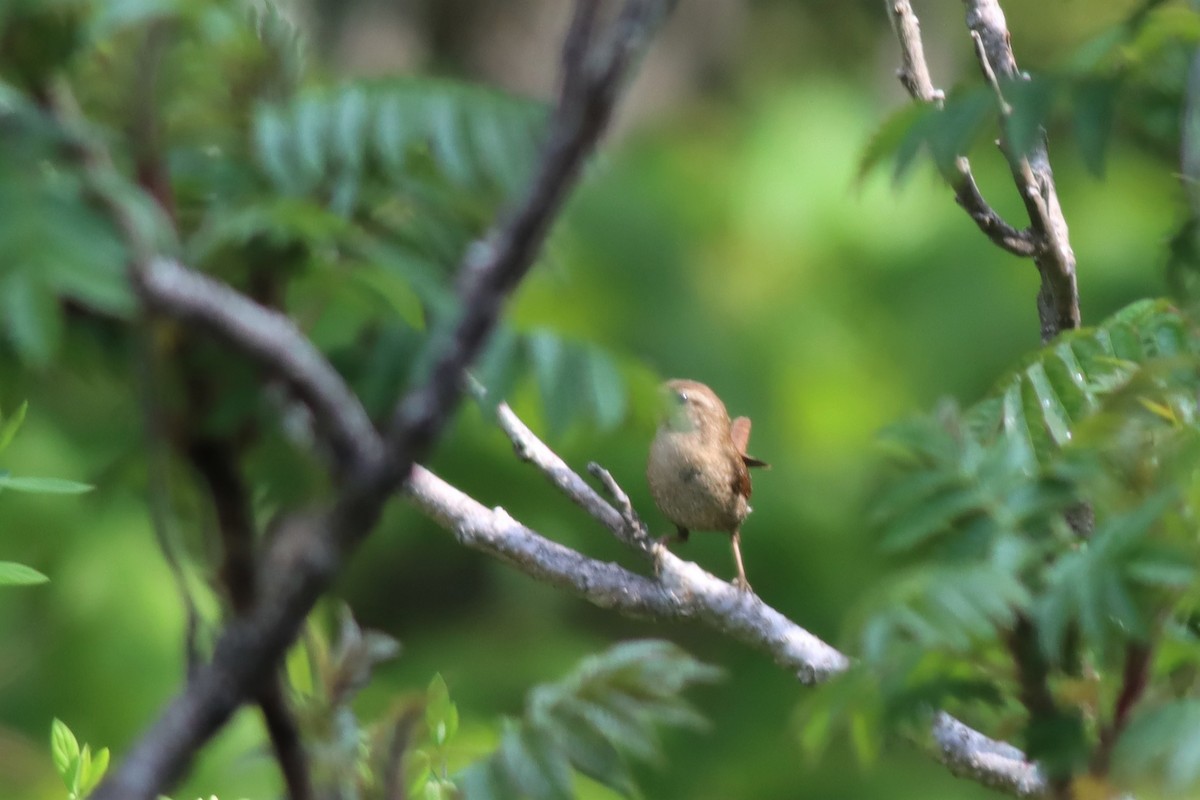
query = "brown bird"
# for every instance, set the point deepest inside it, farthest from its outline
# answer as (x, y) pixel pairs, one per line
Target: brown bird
(698, 467)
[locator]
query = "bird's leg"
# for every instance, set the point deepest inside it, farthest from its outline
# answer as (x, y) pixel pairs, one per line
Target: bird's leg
(740, 581)
(680, 535)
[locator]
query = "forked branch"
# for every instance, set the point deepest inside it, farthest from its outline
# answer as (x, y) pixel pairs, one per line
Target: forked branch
(1046, 240)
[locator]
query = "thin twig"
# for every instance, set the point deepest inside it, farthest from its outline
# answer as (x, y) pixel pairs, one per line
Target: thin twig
(633, 523)
(989, 75)
(1135, 677)
(1058, 298)
(531, 449)
(217, 462)
(1033, 687)
(914, 76)
(158, 490)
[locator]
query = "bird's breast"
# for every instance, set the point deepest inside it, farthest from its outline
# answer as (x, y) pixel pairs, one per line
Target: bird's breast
(693, 483)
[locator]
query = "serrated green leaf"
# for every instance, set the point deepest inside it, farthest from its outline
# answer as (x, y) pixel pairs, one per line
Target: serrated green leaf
(956, 126)
(14, 574)
(535, 765)
(484, 781)
(605, 710)
(594, 756)
(554, 369)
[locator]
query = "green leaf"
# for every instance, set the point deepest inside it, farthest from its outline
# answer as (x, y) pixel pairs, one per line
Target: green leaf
(14, 574)
(95, 772)
(535, 764)
(605, 389)
(1162, 745)
(64, 748)
(441, 715)
(1098, 585)
(904, 124)
(10, 426)
(606, 710)
(1095, 104)
(1032, 100)
(43, 485)
(554, 370)
(30, 313)
(956, 126)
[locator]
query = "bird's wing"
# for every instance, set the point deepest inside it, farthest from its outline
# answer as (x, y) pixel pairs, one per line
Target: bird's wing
(741, 479)
(739, 431)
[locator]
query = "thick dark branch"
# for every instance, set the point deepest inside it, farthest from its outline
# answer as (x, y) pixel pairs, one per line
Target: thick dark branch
(270, 337)
(914, 75)
(1058, 299)
(286, 741)
(1033, 686)
(494, 266)
(1134, 680)
(308, 551)
(217, 462)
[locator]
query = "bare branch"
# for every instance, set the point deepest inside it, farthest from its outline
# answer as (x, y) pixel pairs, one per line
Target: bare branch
(682, 591)
(273, 339)
(533, 450)
(308, 550)
(1058, 299)
(967, 753)
(914, 75)
(285, 740)
(685, 591)
(633, 523)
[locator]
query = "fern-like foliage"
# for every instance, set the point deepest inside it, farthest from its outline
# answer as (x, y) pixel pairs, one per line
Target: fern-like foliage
(594, 720)
(1064, 499)
(349, 206)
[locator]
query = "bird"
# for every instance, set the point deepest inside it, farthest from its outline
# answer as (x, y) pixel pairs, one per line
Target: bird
(698, 468)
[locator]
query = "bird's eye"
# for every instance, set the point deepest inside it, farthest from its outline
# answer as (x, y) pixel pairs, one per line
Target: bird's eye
(681, 397)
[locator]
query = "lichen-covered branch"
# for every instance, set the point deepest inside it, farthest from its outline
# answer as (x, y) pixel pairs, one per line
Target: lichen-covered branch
(692, 593)
(967, 753)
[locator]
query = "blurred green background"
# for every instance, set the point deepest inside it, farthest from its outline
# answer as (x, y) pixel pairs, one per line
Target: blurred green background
(722, 236)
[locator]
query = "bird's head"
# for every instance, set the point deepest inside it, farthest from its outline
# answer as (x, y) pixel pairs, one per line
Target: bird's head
(691, 406)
